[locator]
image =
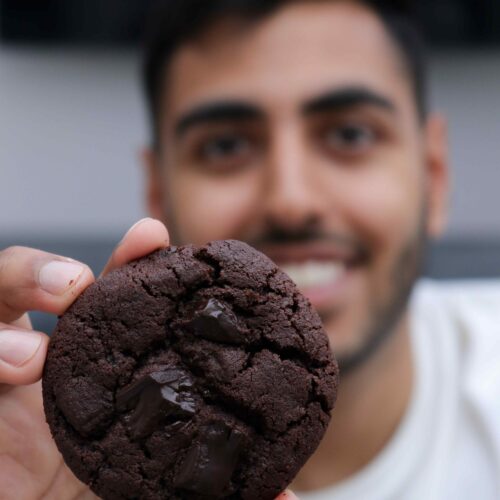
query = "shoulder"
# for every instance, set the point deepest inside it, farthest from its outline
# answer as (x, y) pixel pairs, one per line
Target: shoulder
(468, 313)
(469, 316)
(470, 310)
(473, 302)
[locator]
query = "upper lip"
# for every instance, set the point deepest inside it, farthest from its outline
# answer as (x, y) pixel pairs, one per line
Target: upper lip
(319, 251)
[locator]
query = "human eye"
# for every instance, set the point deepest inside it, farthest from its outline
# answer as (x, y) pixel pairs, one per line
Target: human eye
(224, 151)
(349, 139)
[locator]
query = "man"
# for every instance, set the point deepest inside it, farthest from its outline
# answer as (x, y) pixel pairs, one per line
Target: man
(300, 127)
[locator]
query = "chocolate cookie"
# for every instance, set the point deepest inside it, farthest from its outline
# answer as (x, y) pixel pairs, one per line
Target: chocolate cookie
(194, 373)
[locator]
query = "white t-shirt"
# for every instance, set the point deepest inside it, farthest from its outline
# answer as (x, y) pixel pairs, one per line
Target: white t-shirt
(448, 444)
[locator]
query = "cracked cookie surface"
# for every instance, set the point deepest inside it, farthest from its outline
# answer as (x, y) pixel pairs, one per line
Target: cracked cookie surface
(193, 373)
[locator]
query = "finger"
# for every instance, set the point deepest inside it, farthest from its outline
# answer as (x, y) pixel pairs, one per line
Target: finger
(23, 322)
(22, 355)
(144, 237)
(287, 495)
(35, 280)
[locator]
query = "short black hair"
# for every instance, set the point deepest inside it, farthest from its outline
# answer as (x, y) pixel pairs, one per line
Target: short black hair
(173, 22)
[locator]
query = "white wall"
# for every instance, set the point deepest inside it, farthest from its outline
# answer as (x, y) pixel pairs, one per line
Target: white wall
(466, 86)
(71, 127)
(72, 123)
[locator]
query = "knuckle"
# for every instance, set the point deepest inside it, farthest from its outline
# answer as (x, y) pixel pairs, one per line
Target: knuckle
(6, 257)
(9, 251)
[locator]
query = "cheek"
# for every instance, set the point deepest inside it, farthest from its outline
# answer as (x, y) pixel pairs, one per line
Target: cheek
(211, 207)
(384, 206)
(381, 208)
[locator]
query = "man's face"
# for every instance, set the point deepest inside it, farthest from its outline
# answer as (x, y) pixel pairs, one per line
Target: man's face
(299, 134)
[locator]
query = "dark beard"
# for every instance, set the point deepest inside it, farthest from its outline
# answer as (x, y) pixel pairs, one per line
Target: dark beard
(384, 316)
(406, 270)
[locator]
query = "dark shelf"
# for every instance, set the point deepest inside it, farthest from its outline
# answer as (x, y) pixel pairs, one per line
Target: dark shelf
(115, 22)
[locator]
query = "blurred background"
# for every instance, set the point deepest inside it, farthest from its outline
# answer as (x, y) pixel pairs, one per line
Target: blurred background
(72, 123)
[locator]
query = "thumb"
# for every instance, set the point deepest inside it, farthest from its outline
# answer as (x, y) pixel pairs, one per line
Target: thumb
(22, 355)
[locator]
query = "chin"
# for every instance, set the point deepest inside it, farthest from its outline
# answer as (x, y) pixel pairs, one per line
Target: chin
(345, 339)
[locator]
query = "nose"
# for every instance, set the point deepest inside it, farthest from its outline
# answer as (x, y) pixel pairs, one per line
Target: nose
(292, 198)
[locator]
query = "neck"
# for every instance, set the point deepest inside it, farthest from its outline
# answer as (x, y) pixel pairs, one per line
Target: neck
(371, 403)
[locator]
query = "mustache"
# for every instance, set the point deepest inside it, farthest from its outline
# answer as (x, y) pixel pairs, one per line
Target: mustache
(276, 236)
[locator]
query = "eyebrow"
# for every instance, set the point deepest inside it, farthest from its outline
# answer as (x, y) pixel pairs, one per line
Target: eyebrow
(217, 112)
(346, 98)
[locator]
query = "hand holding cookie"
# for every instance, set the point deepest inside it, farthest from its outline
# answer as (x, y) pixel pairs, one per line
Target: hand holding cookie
(30, 463)
(35, 280)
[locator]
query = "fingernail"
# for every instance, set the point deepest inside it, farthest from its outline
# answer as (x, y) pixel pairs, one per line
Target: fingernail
(58, 276)
(17, 348)
(138, 223)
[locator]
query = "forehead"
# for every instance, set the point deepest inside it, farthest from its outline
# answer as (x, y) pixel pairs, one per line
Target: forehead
(299, 51)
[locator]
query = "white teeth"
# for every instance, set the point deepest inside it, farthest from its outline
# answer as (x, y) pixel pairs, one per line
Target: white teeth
(314, 273)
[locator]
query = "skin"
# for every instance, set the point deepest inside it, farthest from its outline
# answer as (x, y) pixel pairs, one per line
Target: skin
(247, 149)
(30, 464)
(292, 170)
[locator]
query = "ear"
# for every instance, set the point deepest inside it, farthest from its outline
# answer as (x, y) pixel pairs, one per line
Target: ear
(437, 170)
(154, 190)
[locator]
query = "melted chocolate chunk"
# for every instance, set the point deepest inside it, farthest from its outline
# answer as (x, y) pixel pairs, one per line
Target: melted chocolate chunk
(156, 396)
(211, 460)
(215, 321)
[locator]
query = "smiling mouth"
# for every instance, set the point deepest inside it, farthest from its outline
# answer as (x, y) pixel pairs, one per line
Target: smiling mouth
(313, 274)
(319, 269)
